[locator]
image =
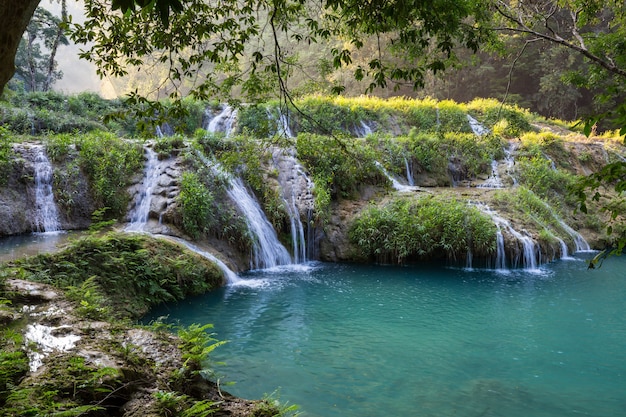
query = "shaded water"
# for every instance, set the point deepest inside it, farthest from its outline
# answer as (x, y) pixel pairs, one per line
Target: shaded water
(351, 340)
(19, 246)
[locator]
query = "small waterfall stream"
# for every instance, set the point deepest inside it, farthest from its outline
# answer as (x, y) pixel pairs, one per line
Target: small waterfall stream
(46, 212)
(297, 190)
(409, 172)
(477, 127)
(231, 277)
(223, 121)
(140, 213)
(494, 180)
(397, 185)
(141, 210)
(529, 257)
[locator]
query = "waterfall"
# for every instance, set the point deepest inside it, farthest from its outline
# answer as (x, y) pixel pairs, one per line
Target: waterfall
(46, 212)
(564, 249)
(409, 172)
(500, 253)
(267, 250)
(223, 122)
(363, 130)
(231, 277)
(510, 162)
(530, 254)
(494, 180)
(468, 259)
(297, 192)
(394, 182)
(283, 126)
(141, 210)
(580, 243)
(477, 127)
(297, 232)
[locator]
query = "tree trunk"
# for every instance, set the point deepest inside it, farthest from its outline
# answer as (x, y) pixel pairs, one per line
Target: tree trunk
(14, 17)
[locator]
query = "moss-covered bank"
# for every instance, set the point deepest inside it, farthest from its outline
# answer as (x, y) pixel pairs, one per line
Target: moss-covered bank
(68, 348)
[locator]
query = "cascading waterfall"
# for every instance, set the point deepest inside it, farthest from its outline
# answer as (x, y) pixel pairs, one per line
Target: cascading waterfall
(267, 250)
(564, 249)
(297, 232)
(363, 130)
(223, 121)
(500, 253)
(46, 212)
(580, 243)
(528, 258)
(494, 180)
(510, 162)
(141, 210)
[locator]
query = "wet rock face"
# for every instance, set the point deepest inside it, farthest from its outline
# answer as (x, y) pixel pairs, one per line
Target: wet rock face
(296, 185)
(164, 188)
(18, 200)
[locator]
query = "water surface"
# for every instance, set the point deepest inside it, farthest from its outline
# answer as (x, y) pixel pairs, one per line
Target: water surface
(364, 341)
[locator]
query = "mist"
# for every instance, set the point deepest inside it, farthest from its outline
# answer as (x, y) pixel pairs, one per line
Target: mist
(78, 74)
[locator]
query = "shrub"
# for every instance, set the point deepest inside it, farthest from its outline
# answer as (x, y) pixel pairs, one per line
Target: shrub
(109, 163)
(196, 203)
(419, 228)
(133, 272)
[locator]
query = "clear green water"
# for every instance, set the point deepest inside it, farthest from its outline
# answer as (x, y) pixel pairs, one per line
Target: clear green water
(359, 341)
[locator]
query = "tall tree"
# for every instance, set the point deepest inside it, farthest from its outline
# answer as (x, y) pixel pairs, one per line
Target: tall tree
(35, 59)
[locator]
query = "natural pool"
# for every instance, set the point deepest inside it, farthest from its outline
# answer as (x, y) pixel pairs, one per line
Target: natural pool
(359, 341)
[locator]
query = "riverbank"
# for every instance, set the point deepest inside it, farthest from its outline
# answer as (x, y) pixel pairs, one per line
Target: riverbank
(74, 350)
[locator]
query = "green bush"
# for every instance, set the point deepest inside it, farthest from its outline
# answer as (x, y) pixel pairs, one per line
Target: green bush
(341, 166)
(196, 203)
(133, 272)
(6, 154)
(109, 164)
(408, 229)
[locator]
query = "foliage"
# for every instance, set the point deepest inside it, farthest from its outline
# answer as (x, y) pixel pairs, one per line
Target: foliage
(109, 163)
(408, 229)
(248, 158)
(196, 344)
(6, 154)
(271, 406)
(167, 145)
(13, 361)
(133, 272)
(33, 66)
(604, 186)
(71, 388)
(52, 112)
(218, 37)
(196, 203)
(204, 207)
(506, 120)
(88, 296)
(538, 174)
(171, 403)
